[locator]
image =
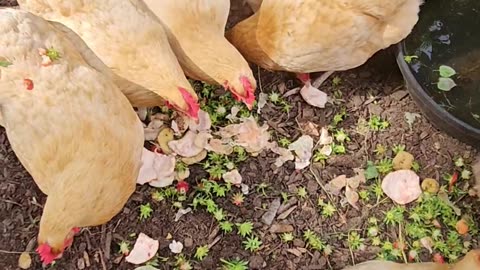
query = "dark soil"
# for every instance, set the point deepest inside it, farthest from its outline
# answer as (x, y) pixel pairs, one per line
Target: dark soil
(375, 88)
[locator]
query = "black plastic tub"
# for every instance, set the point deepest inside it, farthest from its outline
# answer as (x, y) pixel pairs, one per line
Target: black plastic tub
(440, 62)
(441, 118)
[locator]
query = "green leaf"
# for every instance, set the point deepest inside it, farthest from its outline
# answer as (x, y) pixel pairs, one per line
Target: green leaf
(446, 71)
(371, 172)
(409, 58)
(445, 84)
(5, 64)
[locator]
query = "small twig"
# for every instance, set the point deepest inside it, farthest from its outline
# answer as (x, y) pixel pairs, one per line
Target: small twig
(13, 252)
(328, 262)
(351, 254)
(321, 184)
(461, 198)
(116, 225)
(400, 236)
(104, 266)
(378, 203)
(11, 202)
(215, 241)
(259, 79)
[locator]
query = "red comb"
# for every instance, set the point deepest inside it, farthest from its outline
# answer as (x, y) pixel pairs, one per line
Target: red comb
(193, 106)
(46, 255)
(249, 92)
(304, 77)
(76, 230)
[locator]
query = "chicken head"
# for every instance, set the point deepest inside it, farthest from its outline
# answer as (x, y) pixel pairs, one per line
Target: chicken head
(190, 106)
(243, 90)
(48, 254)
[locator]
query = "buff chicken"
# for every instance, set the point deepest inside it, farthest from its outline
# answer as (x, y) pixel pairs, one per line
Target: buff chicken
(470, 262)
(196, 30)
(307, 36)
(131, 41)
(69, 125)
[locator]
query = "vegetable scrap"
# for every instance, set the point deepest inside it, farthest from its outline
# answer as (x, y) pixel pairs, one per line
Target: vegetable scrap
(144, 249)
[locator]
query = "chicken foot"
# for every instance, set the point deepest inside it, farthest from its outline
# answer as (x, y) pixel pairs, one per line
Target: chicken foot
(320, 80)
(305, 78)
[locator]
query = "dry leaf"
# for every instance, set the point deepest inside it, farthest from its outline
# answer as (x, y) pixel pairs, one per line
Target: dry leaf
(204, 122)
(176, 247)
(313, 96)
(232, 116)
(175, 127)
(309, 128)
(189, 145)
(285, 155)
(146, 267)
(353, 182)
(248, 134)
(24, 261)
(303, 148)
(336, 185)
(157, 169)
(352, 197)
(325, 138)
(360, 175)
(427, 243)
(402, 186)
(220, 147)
(233, 177)
(326, 150)
(179, 124)
(181, 212)
(196, 159)
(144, 249)
(151, 131)
(262, 101)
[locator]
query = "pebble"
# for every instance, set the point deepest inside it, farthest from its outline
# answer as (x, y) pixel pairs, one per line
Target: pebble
(269, 216)
(399, 94)
(81, 263)
(298, 243)
(188, 242)
(312, 187)
(281, 228)
(257, 262)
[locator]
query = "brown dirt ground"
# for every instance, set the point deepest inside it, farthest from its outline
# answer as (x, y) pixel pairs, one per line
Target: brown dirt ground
(21, 201)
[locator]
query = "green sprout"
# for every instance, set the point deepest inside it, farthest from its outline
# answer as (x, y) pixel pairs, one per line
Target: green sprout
(145, 211)
(252, 244)
(236, 264)
(201, 252)
(245, 228)
(287, 237)
(302, 192)
(385, 166)
(226, 226)
(355, 241)
(377, 124)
